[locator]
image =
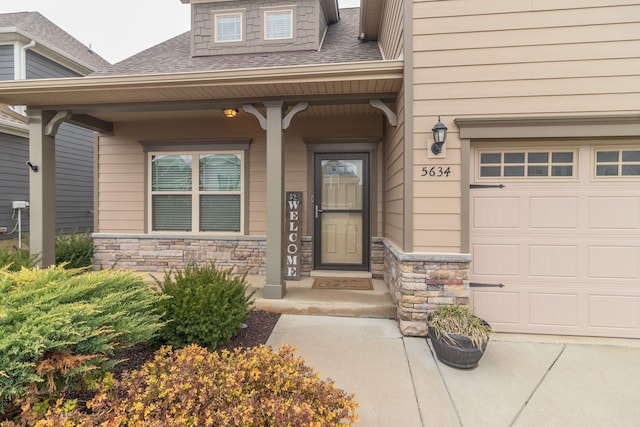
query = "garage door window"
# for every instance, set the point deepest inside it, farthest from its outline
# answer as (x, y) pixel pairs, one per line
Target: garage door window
(527, 164)
(615, 163)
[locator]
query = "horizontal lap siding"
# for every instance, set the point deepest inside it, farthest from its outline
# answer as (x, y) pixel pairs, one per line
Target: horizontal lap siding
(74, 178)
(6, 62)
(394, 177)
(15, 180)
(515, 58)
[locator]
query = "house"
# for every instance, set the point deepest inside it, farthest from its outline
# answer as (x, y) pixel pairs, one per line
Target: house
(530, 209)
(32, 47)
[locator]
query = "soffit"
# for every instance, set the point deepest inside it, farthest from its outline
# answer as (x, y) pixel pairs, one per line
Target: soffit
(106, 97)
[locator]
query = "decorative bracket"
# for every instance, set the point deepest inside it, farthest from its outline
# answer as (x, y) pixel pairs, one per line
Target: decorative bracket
(300, 107)
(52, 127)
(391, 116)
(249, 108)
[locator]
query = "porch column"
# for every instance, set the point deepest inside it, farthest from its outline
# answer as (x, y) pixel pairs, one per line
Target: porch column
(42, 189)
(275, 287)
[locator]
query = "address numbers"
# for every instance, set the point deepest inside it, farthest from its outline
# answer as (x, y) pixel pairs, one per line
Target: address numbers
(436, 171)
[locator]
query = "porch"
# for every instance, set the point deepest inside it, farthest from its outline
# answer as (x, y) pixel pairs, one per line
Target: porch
(303, 299)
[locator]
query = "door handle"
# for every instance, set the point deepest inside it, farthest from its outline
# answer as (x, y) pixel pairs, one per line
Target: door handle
(318, 211)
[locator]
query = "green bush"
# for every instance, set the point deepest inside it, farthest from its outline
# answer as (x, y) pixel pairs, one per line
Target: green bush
(75, 249)
(60, 324)
(207, 306)
(193, 387)
(13, 259)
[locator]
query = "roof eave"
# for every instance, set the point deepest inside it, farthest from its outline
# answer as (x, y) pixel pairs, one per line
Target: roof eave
(43, 92)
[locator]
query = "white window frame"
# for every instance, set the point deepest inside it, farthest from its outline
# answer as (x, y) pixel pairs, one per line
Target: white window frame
(195, 192)
(267, 13)
(619, 163)
(525, 164)
(218, 15)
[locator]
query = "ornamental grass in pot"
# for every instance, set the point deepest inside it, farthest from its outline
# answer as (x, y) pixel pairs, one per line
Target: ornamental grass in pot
(458, 336)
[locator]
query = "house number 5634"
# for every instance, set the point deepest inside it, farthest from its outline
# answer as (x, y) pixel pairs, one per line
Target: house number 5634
(436, 171)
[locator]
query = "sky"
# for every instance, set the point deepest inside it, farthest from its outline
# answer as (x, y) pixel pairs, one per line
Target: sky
(116, 29)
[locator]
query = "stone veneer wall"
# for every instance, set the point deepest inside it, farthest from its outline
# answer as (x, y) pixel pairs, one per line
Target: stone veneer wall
(419, 282)
(150, 253)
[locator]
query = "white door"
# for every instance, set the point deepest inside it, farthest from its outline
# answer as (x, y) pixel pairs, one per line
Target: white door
(557, 249)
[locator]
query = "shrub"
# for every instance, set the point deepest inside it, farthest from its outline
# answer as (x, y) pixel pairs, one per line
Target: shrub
(13, 259)
(193, 387)
(75, 249)
(207, 306)
(59, 324)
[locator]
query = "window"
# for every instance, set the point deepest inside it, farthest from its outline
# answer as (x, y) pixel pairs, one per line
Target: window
(531, 164)
(278, 24)
(196, 192)
(228, 27)
(617, 162)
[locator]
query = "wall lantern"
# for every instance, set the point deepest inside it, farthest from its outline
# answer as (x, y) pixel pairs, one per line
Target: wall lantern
(439, 137)
(230, 112)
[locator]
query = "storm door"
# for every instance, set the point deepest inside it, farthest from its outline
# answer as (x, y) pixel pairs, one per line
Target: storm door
(341, 211)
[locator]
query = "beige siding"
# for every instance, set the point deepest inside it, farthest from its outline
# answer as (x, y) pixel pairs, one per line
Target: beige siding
(506, 59)
(121, 180)
(391, 36)
(394, 178)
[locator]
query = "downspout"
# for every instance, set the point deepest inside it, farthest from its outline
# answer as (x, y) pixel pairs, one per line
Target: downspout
(23, 60)
(20, 69)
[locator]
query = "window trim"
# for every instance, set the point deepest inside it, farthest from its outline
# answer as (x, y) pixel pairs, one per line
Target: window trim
(195, 191)
(526, 151)
(266, 13)
(619, 163)
(218, 14)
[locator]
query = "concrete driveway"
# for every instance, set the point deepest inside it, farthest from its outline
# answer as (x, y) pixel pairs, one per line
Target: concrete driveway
(522, 380)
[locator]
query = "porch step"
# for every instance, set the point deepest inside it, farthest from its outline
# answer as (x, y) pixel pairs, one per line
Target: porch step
(301, 299)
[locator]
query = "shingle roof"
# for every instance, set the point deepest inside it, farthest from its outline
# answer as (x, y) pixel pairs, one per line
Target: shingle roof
(45, 31)
(341, 45)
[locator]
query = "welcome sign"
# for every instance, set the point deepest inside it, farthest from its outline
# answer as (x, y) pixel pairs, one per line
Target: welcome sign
(292, 235)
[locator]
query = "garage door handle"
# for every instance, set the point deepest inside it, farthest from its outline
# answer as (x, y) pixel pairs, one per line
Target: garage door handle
(486, 186)
(485, 285)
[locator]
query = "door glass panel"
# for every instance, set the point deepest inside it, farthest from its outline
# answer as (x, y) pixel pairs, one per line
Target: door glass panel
(341, 184)
(342, 211)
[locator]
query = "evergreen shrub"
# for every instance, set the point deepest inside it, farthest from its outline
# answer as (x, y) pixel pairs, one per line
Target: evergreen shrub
(75, 249)
(13, 259)
(59, 325)
(207, 306)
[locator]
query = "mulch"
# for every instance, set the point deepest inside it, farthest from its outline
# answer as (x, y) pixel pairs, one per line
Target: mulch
(259, 327)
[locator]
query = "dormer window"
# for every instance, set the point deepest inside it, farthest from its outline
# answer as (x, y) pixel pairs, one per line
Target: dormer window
(228, 27)
(278, 24)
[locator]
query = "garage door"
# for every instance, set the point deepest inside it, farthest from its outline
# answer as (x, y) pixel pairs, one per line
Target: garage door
(555, 237)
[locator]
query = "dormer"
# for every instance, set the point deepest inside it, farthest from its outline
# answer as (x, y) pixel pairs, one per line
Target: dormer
(224, 27)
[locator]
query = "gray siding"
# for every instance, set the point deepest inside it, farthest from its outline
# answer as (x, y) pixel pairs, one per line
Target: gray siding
(74, 178)
(6, 62)
(305, 27)
(14, 184)
(39, 67)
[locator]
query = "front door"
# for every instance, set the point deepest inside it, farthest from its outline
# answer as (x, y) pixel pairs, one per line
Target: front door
(341, 211)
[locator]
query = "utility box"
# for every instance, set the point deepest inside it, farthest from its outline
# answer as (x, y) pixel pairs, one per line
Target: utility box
(20, 204)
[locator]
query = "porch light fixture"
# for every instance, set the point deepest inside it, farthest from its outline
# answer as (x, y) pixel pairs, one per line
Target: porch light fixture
(230, 113)
(439, 137)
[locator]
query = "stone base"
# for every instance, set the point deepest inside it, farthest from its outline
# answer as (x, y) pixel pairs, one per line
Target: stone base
(418, 282)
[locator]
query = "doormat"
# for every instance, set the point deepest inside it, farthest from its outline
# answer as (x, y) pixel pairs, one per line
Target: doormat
(346, 283)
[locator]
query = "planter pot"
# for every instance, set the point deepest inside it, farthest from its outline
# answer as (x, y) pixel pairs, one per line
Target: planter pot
(464, 355)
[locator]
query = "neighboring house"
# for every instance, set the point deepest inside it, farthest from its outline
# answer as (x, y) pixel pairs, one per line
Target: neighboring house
(32, 47)
(536, 186)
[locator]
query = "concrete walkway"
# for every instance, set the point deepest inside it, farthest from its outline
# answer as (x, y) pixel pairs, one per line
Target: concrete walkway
(522, 380)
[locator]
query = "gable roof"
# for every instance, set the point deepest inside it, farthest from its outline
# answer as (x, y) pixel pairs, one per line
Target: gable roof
(341, 45)
(35, 26)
